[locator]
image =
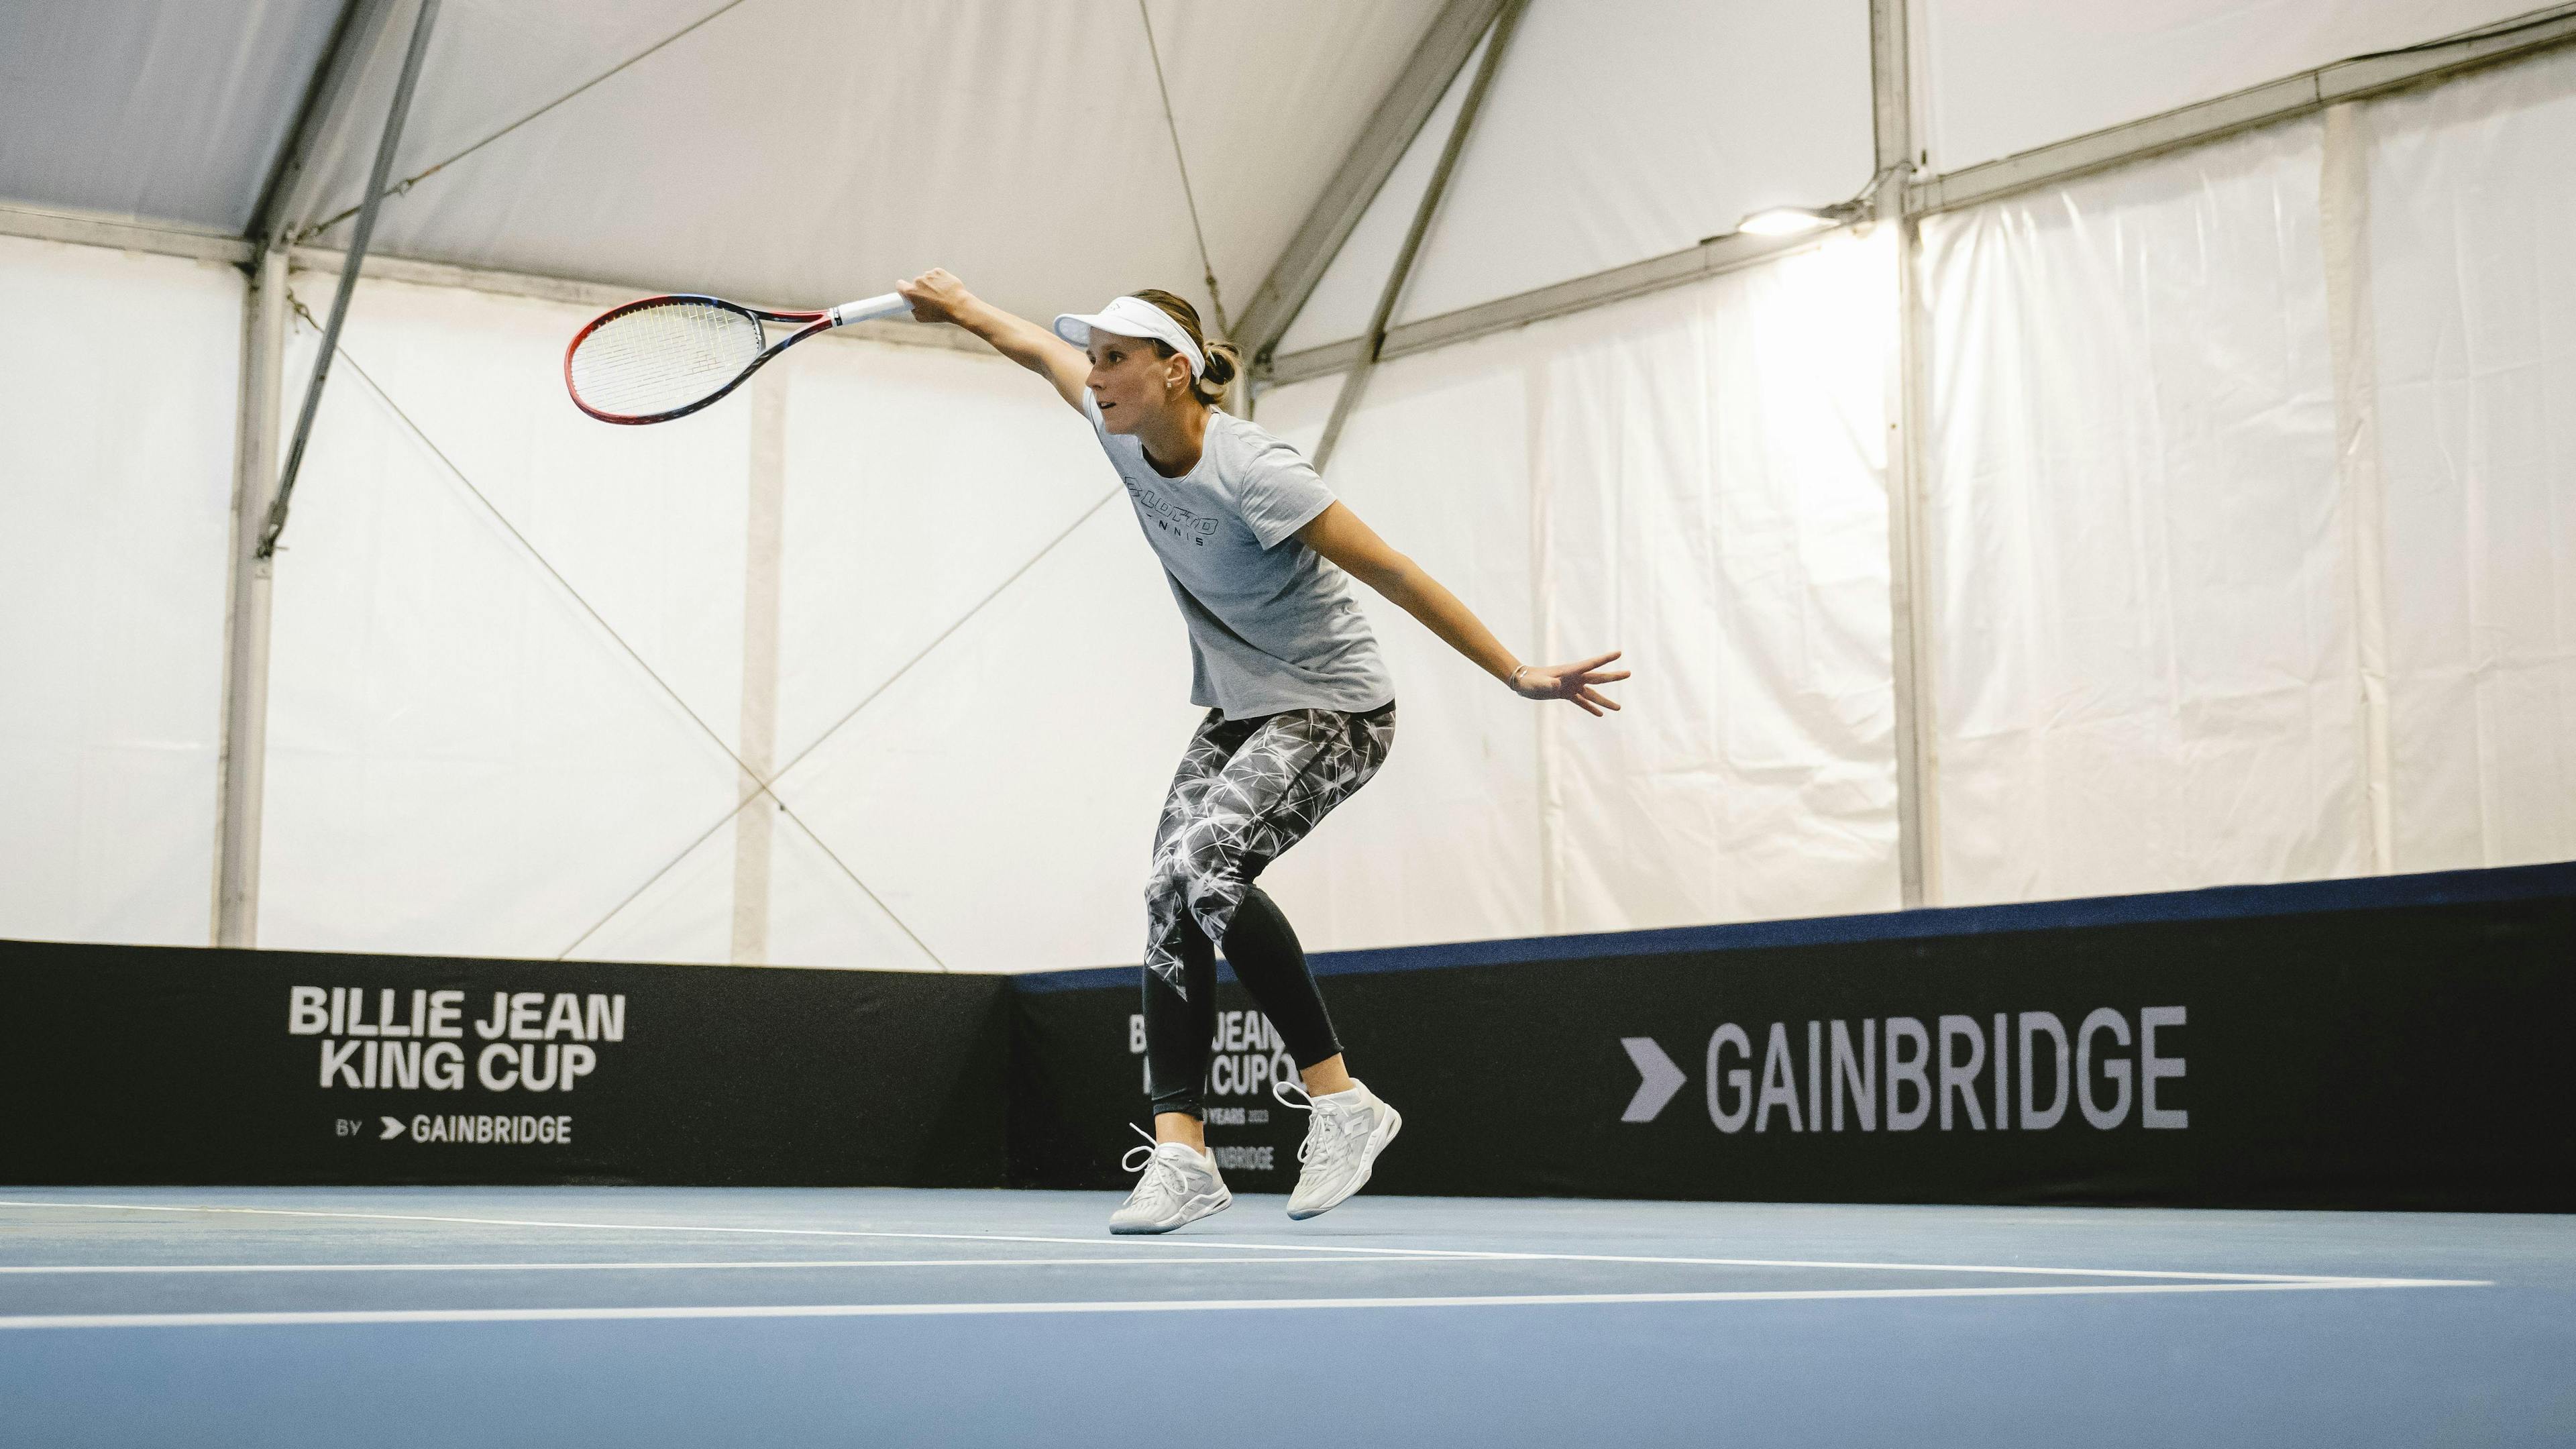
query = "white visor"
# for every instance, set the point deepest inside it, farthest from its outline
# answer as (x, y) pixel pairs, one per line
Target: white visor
(1132, 317)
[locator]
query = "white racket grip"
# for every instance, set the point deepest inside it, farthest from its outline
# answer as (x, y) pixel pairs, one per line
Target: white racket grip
(868, 309)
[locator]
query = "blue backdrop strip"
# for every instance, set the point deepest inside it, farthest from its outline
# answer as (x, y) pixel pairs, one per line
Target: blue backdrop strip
(2217, 903)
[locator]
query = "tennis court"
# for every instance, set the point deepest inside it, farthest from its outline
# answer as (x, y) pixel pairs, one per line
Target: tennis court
(573, 1316)
(1349, 722)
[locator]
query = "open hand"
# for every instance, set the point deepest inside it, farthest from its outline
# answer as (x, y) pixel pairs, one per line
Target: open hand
(1570, 681)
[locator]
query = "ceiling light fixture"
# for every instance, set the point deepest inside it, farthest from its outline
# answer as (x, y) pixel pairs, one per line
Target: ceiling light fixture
(1785, 221)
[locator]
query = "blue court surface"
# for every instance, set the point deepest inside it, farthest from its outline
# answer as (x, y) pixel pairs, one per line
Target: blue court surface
(576, 1316)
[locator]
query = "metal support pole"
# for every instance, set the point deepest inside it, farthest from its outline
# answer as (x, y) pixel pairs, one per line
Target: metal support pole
(349, 275)
(1909, 653)
(237, 817)
(1373, 341)
(242, 767)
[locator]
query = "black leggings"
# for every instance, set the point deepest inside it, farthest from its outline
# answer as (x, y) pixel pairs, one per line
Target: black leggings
(1247, 789)
(1180, 1029)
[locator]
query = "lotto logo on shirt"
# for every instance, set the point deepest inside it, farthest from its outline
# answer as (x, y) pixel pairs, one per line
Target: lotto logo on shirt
(1172, 517)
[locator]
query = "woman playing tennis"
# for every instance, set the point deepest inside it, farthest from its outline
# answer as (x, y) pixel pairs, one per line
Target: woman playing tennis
(1300, 711)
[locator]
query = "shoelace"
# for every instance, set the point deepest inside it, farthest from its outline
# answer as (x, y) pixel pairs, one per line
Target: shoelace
(1161, 1179)
(1321, 1131)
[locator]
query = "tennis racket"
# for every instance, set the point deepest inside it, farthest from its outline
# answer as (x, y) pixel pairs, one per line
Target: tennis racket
(666, 357)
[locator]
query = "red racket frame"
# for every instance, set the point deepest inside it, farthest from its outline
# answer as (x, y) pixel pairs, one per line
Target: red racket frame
(818, 322)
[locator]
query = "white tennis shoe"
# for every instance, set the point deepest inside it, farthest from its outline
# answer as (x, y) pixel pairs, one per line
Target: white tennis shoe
(1349, 1129)
(1179, 1186)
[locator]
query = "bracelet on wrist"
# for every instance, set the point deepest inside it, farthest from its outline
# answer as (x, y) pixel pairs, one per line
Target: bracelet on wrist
(1514, 683)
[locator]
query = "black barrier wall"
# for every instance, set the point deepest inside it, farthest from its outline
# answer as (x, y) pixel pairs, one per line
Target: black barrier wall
(2381, 1044)
(127, 1064)
(2249, 1049)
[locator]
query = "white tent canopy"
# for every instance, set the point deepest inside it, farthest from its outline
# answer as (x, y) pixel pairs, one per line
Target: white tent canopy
(2146, 479)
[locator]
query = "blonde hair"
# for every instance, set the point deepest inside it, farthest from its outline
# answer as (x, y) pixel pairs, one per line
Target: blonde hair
(1224, 359)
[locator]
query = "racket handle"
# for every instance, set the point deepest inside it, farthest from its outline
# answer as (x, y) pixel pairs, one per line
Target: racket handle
(868, 309)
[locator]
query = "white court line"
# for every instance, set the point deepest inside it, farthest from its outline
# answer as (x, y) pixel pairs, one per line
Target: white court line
(1238, 1245)
(1203, 1305)
(39, 1269)
(1092, 1242)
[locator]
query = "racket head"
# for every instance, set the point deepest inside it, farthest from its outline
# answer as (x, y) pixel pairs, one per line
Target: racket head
(659, 358)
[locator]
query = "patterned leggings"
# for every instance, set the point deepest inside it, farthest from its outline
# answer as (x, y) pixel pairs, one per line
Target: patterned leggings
(1247, 789)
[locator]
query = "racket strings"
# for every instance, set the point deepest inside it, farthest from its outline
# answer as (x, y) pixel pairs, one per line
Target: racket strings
(661, 358)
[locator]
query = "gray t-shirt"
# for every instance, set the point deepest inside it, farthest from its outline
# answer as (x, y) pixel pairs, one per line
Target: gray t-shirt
(1272, 623)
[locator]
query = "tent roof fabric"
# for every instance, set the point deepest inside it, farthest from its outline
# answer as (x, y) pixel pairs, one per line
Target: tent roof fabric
(168, 110)
(791, 150)
(804, 151)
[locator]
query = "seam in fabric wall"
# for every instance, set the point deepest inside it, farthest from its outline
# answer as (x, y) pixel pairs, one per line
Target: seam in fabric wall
(2352, 331)
(1544, 737)
(764, 543)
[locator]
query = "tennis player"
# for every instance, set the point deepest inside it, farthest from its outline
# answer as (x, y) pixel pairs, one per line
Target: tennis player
(1300, 713)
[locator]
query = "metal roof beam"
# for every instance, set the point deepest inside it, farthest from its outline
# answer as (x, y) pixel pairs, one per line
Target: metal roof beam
(288, 193)
(357, 258)
(1373, 342)
(2307, 93)
(1707, 259)
(1399, 117)
(97, 229)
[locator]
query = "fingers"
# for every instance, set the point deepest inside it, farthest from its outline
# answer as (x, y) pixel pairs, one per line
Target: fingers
(1582, 666)
(934, 294)
(1574, 683)
(1591, 701)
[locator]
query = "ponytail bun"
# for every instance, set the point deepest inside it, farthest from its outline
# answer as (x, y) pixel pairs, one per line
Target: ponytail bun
(1224, 362)
(1224, 359)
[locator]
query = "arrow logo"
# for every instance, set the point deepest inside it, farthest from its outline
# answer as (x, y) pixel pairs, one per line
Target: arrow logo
(394, 1125)
(1658, 1079)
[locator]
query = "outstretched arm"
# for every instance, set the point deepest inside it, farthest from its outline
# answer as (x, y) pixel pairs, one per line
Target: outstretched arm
(938, 297)
(1338, 534)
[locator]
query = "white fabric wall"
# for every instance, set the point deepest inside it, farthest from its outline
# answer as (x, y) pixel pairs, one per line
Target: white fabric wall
(1695, 476)
(2471, 204)
(1000, 796)
(1719, 506)
(461, 760)
(1999, 76)
(464, 761)
(2138, 592)
(1447, 842)
(117, 395)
